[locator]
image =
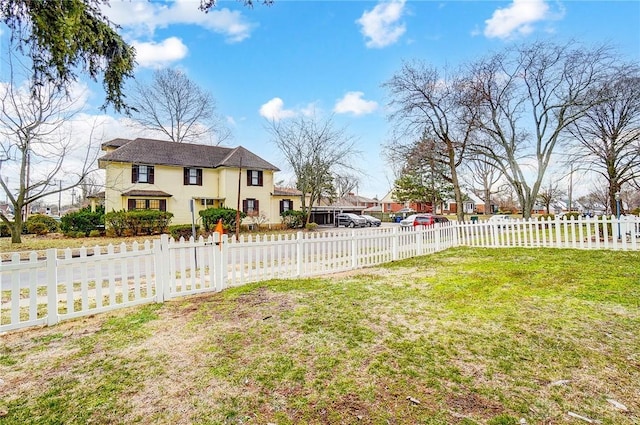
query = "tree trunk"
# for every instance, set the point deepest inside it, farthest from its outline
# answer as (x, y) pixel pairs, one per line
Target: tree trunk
(16, 228)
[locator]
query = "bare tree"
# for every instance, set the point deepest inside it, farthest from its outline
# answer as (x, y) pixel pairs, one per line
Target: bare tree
(428, 104)
(345, 183)
(32, 123)
(527, 97)
(314, 150)
(549, 194)
(597, 198)
(482, 176)
(608, 135)
(178, 108)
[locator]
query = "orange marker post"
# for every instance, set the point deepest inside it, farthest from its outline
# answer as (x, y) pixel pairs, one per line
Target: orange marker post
(220, 230)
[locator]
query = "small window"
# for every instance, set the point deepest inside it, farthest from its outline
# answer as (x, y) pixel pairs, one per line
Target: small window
(142, 174)
(286, 205)
(254, 178)
(250, 206)
(193, 176)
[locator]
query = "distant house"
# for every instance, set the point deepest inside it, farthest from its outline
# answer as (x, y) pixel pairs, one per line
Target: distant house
(326, 209)
(151, 174)
(391, 206)
(472, 204)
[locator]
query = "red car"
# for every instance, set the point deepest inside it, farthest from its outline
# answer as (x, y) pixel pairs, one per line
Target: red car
(423, 220)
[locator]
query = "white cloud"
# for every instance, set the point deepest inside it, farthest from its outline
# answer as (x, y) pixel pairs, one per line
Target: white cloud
(274, 110)
(380, 26)
(518, 18)
(158, 55)
(143, 17)
(353, 103)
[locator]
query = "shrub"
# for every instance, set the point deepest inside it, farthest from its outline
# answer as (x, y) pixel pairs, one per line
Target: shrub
(182, 230)
(293, 219)
(547, 216)
(4, 230)
(311, 227)
(116, 222)
(137, 222)
(95, 233)
(41, 224)
(82, 221)
(571, 216)
(210, 218)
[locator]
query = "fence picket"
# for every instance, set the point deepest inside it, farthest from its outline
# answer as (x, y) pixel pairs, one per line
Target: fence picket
(75, 285)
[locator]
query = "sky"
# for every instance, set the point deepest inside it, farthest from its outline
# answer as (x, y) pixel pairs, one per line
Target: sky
(332, 57)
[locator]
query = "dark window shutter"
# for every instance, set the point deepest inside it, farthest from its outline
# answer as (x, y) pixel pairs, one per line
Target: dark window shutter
(281, 207)
(290, 204)
(185, 177)
(163, 204)
(199, 177)
(150, 171)
(244, 206)
(131, 204)
(259, 178)
(134, 174)
(256, 206)
(248, 177)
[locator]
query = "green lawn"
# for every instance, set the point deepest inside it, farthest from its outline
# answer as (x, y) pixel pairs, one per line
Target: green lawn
(466, 336)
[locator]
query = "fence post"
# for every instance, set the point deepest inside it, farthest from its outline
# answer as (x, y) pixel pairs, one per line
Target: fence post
(163, 290)
(394, 244)
(158, 269)
(220, 255)
(52, 287)
(354, 251)
(299, 242)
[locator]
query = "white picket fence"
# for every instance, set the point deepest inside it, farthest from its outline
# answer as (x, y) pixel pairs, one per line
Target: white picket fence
(64, 285)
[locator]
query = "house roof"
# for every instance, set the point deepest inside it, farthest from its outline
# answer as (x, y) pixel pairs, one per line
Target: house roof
(286, 191)
(97, 195)
(161, 152)
(115, 143)
(357, 199)
(152, 193)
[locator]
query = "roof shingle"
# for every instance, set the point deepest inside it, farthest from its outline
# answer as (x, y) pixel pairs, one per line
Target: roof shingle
(160, 152)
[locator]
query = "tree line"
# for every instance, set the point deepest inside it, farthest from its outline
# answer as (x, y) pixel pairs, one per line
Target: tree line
(510, 116)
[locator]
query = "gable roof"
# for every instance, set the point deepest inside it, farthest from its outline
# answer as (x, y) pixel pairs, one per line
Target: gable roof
(286, 191)
(161, 152)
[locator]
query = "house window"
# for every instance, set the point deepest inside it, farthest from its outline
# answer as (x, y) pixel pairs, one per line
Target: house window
(147, 204)
(250, 206)
(193, 176)
(142, 174)
(254, 178)
(286, 205)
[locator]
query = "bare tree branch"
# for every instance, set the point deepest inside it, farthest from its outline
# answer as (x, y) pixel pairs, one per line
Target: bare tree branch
(315, 150)
(178, 108)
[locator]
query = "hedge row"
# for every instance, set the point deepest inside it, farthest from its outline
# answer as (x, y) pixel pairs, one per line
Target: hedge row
(137, 222)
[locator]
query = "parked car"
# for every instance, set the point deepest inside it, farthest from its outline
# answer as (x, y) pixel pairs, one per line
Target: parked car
(350, 220)
(500, 220)
(372, 221)
(423, 220)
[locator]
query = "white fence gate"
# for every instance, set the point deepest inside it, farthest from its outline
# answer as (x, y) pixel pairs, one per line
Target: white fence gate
(62, 285)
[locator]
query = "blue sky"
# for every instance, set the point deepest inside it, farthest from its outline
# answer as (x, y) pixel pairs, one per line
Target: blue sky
(332, 56)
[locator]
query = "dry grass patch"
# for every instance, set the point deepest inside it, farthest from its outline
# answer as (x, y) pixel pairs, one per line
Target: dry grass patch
(461, 337)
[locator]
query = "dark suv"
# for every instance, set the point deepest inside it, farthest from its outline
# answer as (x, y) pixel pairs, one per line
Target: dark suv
(350, 220)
